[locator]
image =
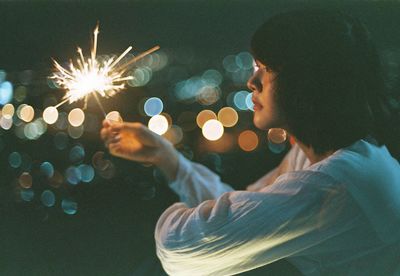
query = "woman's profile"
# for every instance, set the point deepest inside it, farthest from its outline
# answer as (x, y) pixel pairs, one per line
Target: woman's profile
(332, 207)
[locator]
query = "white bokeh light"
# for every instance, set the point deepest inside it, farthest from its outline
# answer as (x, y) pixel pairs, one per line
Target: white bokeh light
(158, 124)
(213, 130)
(50, 115)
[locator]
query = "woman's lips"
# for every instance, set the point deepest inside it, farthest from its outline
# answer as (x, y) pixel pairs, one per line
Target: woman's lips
(256, 106)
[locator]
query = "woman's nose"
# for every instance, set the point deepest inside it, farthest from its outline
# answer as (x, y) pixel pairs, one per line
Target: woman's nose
(251, 84)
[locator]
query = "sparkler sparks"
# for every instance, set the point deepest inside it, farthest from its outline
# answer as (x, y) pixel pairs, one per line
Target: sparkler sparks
(94, 77)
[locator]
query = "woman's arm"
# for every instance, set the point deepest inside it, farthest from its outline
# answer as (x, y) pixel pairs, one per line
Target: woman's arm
(243, 230)
(193, 182)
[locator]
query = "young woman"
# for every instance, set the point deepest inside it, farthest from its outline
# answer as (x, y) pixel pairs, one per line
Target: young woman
(333, 205)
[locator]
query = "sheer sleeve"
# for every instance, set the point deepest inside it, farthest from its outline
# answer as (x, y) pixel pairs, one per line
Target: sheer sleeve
(195, 183)
(242, 230)
(294, 160)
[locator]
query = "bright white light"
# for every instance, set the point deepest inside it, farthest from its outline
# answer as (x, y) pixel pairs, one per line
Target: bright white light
(158, 124)
(213, 130)
(76, 117)
(50, 115)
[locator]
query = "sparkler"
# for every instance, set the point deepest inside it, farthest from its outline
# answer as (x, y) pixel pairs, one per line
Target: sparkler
(94, 77)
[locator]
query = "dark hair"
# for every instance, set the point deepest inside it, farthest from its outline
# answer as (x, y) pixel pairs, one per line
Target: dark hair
(329, 85)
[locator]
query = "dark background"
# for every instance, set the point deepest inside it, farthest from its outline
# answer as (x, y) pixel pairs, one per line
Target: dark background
(112, 232)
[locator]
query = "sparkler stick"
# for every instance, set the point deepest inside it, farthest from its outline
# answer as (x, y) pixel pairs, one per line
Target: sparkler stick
(140, 56)
(99, 103)
(61, 103)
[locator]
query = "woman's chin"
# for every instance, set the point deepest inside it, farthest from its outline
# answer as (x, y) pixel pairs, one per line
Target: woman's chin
(260, 124)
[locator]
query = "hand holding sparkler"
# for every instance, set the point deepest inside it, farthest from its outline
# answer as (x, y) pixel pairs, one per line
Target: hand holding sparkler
(134, 141)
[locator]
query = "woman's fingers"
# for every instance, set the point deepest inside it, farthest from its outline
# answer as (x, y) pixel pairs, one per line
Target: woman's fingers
(140, 131)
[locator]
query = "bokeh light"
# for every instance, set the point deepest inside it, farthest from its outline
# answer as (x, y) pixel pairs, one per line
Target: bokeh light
(208, 95)
(87, 172)
(249, 102)
(50, 115)
(244, 60)
(153, 106)
(33, 130)
(48, 198)
(76, 132)
(109, 170)
(15, 159)
(69, 207)
(239, 100)
(25, 180)
(174, 134)
(76, 117)
(8, 111)
(277, 135)
(141, 76)
(56, 180)
(114, 116)
(168, 117)
(3, 75)
(213, 130)
(204, 116)
(26, 113)
(62, 121)
(27, 194)
(229, 64)
(5, 123)
(73, 175)
(228, 116)
(212, 77)
(248, 140)
(98, 161)
(276, 148)
(76, 154)
(20, 93)
(158, 124)
(6, 92)
(47, 169)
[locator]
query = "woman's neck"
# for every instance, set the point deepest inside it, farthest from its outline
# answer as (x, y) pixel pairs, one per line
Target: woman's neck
(311, 155)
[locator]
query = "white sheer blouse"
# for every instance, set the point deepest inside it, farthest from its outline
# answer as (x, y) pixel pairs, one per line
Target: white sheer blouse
(340, 216)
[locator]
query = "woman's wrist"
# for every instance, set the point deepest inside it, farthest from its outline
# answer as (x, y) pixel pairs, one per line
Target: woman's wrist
(168, 161)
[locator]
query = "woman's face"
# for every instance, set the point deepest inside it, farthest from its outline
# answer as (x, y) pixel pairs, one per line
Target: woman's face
(266, 113)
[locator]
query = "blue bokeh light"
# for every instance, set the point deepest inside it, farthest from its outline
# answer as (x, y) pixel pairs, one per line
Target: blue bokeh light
(244, 60)
(153, 106)
(73, 175)
(229, 63)
(76, 154)
(48, 198)
(87, 172)
(239, 100)
(276, 148)
(15, 159)
(47, 169)
(249, 102)
(69, 207)
(3, 75)
(212, 77)
(27, 194)
(6, 92)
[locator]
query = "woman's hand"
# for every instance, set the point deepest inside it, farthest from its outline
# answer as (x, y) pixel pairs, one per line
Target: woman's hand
(134, 141)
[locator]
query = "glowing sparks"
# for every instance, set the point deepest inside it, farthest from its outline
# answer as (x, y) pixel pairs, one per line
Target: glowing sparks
(94, 76)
